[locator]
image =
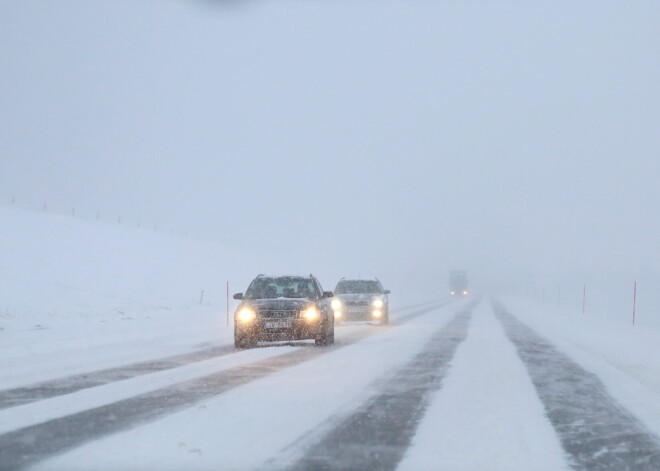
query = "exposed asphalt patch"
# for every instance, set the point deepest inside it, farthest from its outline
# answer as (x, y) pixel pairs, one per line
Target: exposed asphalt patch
(376, 436)
(29, 445)
(596, 432)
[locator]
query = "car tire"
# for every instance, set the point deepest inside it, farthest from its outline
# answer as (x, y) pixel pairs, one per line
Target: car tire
(386, 319)
(321, 341)
(243, 342)
(325, 338)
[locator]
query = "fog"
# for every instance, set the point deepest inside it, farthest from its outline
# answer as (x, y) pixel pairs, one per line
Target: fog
(516, 140)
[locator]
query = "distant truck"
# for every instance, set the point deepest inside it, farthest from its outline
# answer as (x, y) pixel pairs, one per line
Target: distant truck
(458, 283)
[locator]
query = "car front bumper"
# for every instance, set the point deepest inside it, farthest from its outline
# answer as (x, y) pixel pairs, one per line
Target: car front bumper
(360, 313)
(278, 329)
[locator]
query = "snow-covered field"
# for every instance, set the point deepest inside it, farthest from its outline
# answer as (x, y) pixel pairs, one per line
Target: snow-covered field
(113, 363)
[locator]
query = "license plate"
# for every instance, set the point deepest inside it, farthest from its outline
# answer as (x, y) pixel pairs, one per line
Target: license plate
(277, 324)
(356, 310)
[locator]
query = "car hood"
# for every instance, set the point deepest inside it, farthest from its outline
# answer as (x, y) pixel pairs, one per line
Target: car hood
(278, 304)
(359, 297)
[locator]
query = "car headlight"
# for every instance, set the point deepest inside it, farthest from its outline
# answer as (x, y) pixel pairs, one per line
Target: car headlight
(246, 314)
(377, 303)
(310, 314)
(376, 313)
(336, 304)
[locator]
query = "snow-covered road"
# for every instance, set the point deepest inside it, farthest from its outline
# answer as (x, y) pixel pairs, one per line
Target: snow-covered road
(457, 385)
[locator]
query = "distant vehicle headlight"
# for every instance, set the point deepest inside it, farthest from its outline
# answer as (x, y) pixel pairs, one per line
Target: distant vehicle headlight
(246, 314)
(377, 303)
(452, 292)
(311, 313)
(465, 292)
(336, 304)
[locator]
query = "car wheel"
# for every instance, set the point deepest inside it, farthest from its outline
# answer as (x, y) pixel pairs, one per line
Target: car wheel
(386, 319)
(321, 340)
(324, 338)
(243, 342)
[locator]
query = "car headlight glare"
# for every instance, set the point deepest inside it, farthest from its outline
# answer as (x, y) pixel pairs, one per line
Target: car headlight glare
(376, 313)
(336, 304)
(377, 303)
(310, 314)
(246, 314)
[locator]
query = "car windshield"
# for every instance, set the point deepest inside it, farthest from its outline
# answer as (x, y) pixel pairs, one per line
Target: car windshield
(281, 287)
(358, 287)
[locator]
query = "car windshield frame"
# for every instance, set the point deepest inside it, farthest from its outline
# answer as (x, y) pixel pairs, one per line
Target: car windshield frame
(288, 287)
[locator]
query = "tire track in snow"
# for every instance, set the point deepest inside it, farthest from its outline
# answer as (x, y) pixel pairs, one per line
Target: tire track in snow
(70, 384)
(595, 431)
(376, 436)
(29, 445)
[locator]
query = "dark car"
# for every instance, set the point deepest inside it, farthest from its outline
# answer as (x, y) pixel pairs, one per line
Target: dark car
(361, 300)
(283, 308)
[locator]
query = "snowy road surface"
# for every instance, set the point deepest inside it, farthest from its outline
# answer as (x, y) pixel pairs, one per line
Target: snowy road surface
(455, 385)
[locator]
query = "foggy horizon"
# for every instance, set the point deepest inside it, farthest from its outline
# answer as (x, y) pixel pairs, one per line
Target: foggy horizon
(389, 138)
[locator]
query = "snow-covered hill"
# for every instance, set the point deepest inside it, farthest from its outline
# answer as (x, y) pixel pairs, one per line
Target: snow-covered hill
(73, 289)
(56, 268)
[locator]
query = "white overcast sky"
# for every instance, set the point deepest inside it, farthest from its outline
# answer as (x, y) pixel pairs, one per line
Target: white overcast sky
(389, 136)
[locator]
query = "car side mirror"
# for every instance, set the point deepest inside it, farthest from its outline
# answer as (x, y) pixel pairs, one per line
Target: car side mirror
(387, 291)
(238, 296)
(328, 294)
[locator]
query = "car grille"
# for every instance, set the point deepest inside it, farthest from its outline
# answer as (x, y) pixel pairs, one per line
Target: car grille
(357, 303)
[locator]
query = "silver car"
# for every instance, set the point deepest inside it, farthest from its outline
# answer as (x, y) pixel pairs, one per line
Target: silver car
(361, 300)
